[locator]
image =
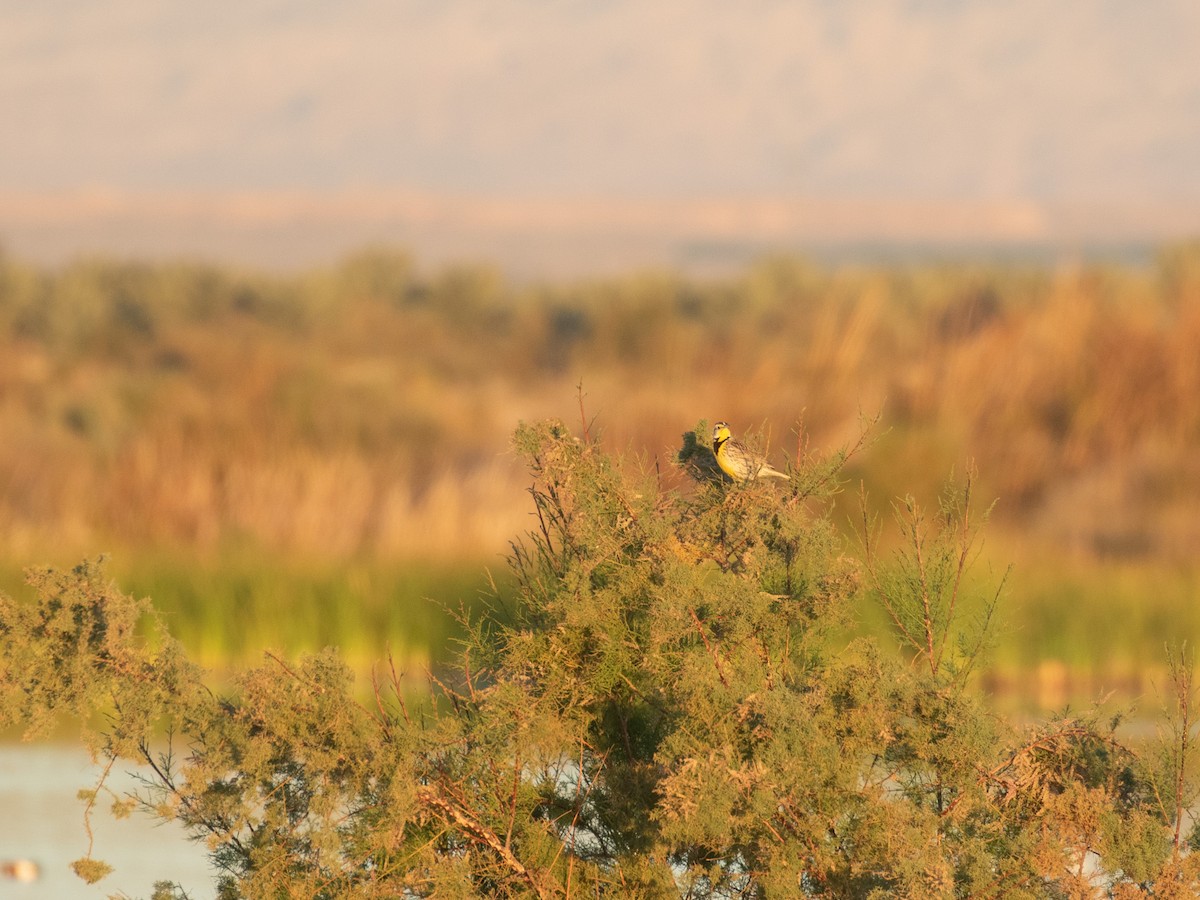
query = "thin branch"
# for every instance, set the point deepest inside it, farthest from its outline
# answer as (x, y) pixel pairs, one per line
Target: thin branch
(965, 542)
(87, 812)
(396, 687)
(283, 665)
(480, 834)
(512, 800)
(972, 655)
(457, 700)
(1183, 697)
(467, 674)
(872, 566)
(712, 650)
(214, 825)
(587, 426)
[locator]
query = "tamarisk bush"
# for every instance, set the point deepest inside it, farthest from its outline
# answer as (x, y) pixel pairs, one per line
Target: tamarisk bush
(670, 708)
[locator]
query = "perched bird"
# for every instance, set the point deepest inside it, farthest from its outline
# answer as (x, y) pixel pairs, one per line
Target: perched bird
(736, 460)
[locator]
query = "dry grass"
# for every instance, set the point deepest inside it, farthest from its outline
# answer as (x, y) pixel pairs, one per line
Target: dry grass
(366, 410)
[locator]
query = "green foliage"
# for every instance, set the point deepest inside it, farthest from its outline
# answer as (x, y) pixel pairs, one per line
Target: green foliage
(924, 590)
(669, 709)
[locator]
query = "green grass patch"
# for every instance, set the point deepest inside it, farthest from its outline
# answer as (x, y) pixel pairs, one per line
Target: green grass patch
(1100, 615)
(1074, 631)
(228, 610)
(1096, 621)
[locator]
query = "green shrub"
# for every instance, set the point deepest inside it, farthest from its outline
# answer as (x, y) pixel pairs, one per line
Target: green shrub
(670, 710)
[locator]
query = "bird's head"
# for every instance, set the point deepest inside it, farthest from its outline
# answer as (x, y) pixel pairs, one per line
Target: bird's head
(720, 433)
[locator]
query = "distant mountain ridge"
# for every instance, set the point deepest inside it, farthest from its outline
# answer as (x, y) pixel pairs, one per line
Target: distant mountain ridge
(558, 236)
(458, 127)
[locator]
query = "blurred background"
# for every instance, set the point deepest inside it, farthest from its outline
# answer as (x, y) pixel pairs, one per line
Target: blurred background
(278, 280)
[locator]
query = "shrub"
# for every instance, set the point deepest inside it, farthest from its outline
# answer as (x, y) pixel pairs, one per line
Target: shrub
(672, 709)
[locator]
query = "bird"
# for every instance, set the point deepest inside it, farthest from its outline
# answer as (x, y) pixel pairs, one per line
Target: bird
(736, 460)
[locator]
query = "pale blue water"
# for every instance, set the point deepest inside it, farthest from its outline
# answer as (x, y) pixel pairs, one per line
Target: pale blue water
(41, 819)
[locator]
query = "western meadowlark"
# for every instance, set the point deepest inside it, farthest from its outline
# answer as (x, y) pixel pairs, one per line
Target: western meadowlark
(736, 460)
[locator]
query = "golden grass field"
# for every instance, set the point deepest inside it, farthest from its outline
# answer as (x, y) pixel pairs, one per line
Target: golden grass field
(276, 433)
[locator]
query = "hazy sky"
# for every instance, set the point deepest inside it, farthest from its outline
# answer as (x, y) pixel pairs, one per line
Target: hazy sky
(1064, 100)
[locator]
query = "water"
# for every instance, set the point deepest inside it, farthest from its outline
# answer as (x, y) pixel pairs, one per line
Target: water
(41, 819)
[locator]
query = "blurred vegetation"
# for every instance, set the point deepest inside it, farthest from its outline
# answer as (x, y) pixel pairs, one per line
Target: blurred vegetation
(185, 415)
